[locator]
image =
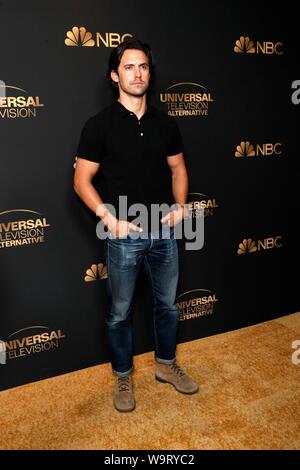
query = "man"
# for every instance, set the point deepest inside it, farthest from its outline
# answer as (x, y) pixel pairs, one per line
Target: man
(137, 151)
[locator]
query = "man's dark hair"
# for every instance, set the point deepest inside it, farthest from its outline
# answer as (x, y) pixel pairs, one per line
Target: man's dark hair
(117, 54)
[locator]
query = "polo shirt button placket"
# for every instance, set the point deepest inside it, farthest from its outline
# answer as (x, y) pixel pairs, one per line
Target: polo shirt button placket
(141, 133)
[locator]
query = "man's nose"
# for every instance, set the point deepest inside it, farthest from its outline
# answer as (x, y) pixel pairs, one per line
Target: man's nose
(137, 71)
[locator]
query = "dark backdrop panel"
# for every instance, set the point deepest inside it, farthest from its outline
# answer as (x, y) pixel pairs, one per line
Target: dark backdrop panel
(53, 297)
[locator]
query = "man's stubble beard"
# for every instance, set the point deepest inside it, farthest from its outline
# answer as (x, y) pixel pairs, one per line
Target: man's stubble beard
(137, 93)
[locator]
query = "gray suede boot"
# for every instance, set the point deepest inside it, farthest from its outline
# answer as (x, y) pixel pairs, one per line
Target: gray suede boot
(123, 397)
(174, 375)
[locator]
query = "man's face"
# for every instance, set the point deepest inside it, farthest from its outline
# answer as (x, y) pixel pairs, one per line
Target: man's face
(133, 73)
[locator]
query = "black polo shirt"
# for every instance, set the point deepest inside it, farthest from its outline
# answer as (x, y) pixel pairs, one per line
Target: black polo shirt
(132, 154)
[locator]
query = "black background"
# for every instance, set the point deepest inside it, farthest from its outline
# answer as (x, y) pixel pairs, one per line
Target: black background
(192, 41)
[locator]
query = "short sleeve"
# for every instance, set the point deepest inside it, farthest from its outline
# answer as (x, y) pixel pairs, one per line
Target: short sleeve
(175, 144)
(91, 141)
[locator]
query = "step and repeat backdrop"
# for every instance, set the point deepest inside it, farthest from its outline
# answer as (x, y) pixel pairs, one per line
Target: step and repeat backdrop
(226, 71)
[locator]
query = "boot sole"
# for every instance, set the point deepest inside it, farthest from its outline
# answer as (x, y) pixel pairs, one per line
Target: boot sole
(178, 390)
(125, 411)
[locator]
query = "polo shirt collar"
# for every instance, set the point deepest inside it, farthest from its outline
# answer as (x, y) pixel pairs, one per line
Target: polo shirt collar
(122, 111)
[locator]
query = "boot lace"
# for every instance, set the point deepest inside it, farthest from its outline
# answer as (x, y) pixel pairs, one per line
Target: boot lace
(177, 370)
(123, 384)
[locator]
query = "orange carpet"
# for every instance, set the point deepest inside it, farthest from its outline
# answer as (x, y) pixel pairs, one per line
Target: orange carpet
(249, 399)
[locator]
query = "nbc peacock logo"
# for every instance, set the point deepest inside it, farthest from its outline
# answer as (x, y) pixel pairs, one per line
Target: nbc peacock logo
(267, 149)
(95, 272)
(244, 44)
(247, 246)
(245, 149)
(261, 245)
(79, 37)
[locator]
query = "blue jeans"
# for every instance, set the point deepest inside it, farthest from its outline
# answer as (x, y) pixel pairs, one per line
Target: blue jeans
(124, 259)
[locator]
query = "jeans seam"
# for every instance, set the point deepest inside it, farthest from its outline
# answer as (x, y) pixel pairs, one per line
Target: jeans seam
(154, 302)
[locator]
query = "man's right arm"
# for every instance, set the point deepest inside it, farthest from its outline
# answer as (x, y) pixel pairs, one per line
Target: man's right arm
(84, 173)
(83, 186)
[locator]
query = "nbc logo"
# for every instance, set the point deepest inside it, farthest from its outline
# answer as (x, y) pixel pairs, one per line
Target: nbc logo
(247, 246)
(96, 271)
(245, 149)
(250, 246)
(79, 37)
(244, 44)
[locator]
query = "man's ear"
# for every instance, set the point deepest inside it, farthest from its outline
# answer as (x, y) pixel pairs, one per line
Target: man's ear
(114, 76)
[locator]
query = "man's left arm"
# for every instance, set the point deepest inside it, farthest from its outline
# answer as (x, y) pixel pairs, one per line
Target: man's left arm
(179, 187)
